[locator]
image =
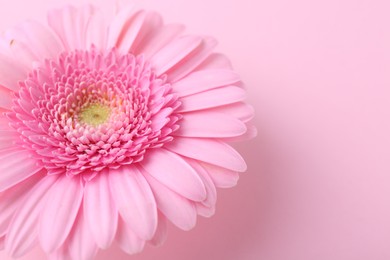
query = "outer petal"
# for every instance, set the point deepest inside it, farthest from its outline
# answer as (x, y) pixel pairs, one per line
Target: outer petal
(199, 81)
(161, 233)
(128, 241)
(118, 24)
(172, 171)
(10, 73)
(209, 124)
(135, 200)
(177, 209)
(60, 212)
(23, 229)
(212, 98)
(130, 32)
(216, 61)
(8, 138)
(221, 177)
(100, 210)
(81, 243)
(211, 151)
(16, 166)
(5, 98)
(174, 52)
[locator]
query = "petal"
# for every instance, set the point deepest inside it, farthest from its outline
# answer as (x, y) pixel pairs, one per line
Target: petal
(216, 61)
(2, 241)
(212, 98)
(60, 212)
(81, 243)
(11, 199)
(128, 241)
(135, 200)
(192, 61)
(174, 52)
(95, 33)
(6, 97)
(159, 38)
(10, 73)
(161, 232)
(16, 166)
(221, 177)
(118, 24)
(210, 151)
(200, 81)
(130, 32)
(176, 208)
(8, 139)
(240, 110)
(23, 229)
(172, 171)
(100, 210)
(209, 124)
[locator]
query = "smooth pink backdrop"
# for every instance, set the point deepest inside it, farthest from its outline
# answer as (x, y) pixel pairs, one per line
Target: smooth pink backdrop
(318, 184)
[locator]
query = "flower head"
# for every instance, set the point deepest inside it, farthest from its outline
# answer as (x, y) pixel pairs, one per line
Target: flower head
(107, 129)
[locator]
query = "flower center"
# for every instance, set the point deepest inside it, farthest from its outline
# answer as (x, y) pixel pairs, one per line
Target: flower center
(95, 114)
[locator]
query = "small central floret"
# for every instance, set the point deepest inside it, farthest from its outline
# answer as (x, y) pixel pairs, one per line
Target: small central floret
(95, 114)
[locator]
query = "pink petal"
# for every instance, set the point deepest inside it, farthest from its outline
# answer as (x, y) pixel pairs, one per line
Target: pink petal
(22, 233)
(249, 134)
(94, 33)
(100, 210)
(8, 139)
(16, 166)
(174, 52)
(81, 242)
(61, 253)
(118, 24)
(199, 81)
(60, 212)
(10, 73)
(172, 171)
(135, 200)
(204, 210)
(212, 98)
(11, 199)
(210, 151)
(221, 177)
(159, 39)
(130, 32)
(161, 232)
(6, 97)
(215, 61)
(193, 60)
(4, 123)
(209, 124)
(239, 110)
(177, 209)
(2, 241)
(152, 25)
(128, 241)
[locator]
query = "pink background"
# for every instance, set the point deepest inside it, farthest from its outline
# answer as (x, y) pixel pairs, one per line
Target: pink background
(318, 184)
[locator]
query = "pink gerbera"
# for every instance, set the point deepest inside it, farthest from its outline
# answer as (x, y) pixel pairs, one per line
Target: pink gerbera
(109, 129)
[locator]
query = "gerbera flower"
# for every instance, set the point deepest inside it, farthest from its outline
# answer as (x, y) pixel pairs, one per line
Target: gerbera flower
(109, 129)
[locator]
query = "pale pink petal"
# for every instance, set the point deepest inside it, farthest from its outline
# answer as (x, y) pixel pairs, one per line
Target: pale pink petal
(208, 150)
(100, 210)
(215, 61)
(118, 24)
(81, 242)
(249, 134)
(172, 171)
(60, 212)
(8, 139)
(209, 124)
(199, 81)
(15, 167)
(179, 210)
(10, 73)
(212, 98)
(6, 97)
(4, 123)
(23, 230)
(61, 253)
(240, 110)
(193, 60)
(204, 210)
(161, 37)
(161, 232)
(95, 31)
(2, 242)
(174, 52)
(11, 199)
(133, 27)
(127, 240)
(221, 177)
(135, 200)
(153, 23)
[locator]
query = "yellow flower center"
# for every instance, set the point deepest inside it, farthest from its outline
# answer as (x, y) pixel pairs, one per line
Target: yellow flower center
(95, 114)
